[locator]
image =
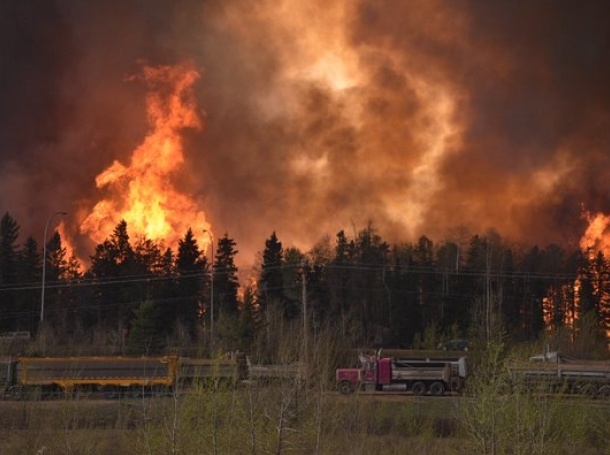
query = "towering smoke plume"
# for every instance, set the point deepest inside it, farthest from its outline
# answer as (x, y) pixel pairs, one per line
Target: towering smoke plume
(319, 115)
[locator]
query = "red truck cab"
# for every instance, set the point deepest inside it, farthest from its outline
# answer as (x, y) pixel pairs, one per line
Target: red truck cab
(417, 375)
(352, 379)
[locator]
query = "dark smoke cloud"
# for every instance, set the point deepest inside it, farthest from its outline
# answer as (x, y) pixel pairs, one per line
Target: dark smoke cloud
(517, 92)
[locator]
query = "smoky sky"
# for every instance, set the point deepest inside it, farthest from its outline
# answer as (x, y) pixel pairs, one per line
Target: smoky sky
(319, 115)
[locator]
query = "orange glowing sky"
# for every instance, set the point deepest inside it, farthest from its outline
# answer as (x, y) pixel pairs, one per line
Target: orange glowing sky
(305, 118)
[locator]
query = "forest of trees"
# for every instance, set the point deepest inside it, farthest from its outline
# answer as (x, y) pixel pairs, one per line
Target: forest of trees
(370, 293)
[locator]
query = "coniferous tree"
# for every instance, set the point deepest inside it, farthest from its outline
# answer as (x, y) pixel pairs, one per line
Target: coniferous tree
(190, 269)
(532, 290)
(447, 268)
(488, 265)
(29, 275)
(55, 310)
(475, 279)
(271, 282)
(9, 233)
(248, 321)
(293, 270)
(116, 272)
(371, 253)
(146, 332)
(509, 290)
(316, 276)
(73, 294)
(425, 276)
(166, 290)
(405, 312)
(148, 257)
(226, 282)
(340, 278)
(147, 269)
(101, 305)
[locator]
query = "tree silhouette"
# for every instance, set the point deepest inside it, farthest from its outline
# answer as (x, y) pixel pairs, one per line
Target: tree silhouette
(146, 333)
(340, 279)
(29, 275)
(9, 233)
(271, 281)
(118, 278)
(191, 273)
(248, 321)
(56, 306)
(226, 282)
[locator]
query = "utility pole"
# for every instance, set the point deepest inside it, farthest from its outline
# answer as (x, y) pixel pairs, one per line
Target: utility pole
(304, 298)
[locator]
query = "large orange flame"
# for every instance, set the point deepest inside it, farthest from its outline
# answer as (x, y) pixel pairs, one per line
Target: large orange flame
(597, 235)
(143, 193)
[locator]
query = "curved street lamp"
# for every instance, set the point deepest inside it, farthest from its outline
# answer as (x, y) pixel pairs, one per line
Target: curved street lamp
(44, 261)
(205, 231)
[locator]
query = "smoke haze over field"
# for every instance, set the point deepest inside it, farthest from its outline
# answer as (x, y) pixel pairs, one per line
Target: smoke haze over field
(318, 115)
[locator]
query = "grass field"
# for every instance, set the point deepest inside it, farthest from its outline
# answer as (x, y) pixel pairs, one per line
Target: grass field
(291, 420)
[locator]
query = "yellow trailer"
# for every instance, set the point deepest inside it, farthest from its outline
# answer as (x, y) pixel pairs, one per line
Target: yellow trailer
(111, 375)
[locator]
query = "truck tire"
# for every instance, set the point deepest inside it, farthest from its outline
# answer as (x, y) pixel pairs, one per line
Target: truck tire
(418, 388)
(604, 392)
(14, 392)
(112, 393)
(437, 389)
(345, 387)
(588, 390)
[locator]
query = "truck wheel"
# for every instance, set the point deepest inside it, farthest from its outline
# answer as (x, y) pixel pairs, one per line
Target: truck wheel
(345, 387)
(112, 393)
(14, 392)
(604, 392)
(418, 388)
(437, 389)
(589, 390)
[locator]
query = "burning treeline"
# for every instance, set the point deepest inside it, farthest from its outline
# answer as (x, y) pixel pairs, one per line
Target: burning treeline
(589, 293)
(377, 293)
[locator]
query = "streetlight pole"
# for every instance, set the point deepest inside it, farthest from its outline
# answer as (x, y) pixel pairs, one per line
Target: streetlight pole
(211, 290)
(44, 261)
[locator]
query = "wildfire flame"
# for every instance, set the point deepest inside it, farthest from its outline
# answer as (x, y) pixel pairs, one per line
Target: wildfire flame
(597, 235)
(143, 193)
(595, 239)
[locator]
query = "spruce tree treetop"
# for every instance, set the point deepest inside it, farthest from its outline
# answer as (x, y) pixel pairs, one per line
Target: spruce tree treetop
(271, 282)
(226, 282)
(9, 233)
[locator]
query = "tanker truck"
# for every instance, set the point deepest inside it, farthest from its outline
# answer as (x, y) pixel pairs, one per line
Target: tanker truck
(421, 376)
